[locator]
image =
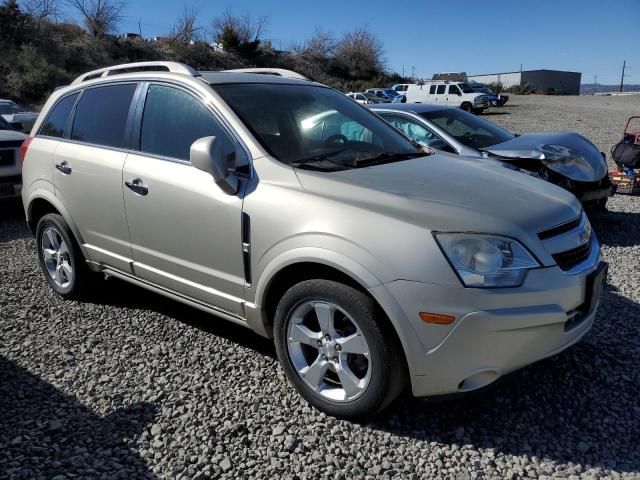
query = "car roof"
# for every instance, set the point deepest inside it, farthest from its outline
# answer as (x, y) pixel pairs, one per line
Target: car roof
(409, 107)
(213, 78)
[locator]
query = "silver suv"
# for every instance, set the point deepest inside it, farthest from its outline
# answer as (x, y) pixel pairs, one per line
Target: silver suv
(284, 206)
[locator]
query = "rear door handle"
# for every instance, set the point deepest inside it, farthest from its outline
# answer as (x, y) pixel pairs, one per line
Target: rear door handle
(138, 186)
(64, 167)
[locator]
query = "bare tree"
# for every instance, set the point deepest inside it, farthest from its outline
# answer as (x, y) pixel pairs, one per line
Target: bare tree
(314, 53)
(360, 53)
(41, 9)
(186, 29)
(233, 31)
(100, 16)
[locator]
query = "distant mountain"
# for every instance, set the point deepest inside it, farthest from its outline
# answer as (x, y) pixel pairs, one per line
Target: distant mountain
(587, 88)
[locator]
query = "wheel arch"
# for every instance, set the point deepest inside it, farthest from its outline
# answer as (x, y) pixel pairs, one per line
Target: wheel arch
(331, 266)
(42, 203)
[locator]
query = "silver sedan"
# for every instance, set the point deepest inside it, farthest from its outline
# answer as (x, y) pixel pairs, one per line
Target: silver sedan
(566, 159)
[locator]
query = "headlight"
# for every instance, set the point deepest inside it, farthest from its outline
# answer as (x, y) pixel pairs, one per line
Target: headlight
(486, 260)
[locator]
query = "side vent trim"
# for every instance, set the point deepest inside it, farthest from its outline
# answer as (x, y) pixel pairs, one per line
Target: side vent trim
(246, 246)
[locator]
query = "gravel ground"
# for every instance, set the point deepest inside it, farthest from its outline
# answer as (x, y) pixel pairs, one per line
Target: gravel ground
(130, 385)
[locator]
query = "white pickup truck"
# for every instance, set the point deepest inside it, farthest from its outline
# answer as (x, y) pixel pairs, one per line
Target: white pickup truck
(452, 94)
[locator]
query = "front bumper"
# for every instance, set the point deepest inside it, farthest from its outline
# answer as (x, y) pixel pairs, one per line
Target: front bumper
(495, 332)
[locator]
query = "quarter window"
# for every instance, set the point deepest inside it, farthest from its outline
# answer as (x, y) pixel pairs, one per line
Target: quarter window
(173, 120)
(101, 115)
(57, 120)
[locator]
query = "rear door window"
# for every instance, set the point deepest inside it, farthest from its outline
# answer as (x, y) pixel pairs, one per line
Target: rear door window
(56, 121)
(432, 89)
(101, 115)
(441, 89)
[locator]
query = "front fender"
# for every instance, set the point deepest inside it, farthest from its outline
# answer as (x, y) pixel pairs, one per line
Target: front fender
(355, 270)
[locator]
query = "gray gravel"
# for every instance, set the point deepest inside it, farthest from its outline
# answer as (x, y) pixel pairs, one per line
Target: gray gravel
(131, 385)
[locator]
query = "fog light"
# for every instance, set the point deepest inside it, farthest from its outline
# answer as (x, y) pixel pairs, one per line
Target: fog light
(436, 318)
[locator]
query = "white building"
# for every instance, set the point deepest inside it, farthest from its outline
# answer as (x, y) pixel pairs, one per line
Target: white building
(540, 80)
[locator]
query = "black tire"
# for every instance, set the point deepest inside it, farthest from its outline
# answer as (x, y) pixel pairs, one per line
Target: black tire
(82, 277)
(466, 107)
(388, 376)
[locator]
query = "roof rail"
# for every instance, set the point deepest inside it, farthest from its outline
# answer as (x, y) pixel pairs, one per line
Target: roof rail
(278, 72)
(173, 67)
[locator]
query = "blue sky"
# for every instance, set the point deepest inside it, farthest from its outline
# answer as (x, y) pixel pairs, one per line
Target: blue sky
(589, 36)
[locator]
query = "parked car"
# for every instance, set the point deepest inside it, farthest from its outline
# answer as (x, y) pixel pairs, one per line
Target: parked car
(495, 99)
(360, 98)
(17, 116)
(281, 205)
(401, 88)
(10, 142)
(452, 94)
(566, 159)
(375, 98)
(386, 93)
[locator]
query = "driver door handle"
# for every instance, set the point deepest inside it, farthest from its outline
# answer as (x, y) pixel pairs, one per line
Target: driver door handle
(138, 186)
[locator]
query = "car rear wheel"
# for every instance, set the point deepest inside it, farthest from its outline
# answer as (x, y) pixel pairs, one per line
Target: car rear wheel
(333, 344)
(60, 257)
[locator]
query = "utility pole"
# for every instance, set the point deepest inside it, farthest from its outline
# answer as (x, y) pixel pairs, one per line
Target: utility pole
(624, 64)
(403, 70)
(520, 68)
(595, 82)
(413, 73)
(139, 27)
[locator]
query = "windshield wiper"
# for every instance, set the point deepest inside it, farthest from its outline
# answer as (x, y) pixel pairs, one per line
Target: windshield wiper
(385, 157)
(319, 162)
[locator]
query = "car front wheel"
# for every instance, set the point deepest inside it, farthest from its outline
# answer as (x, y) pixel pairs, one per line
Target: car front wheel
(335, 347)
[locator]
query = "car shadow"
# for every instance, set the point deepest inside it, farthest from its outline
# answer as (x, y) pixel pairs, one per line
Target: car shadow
(493, 112)
(122, 294)
(45, 433)
(579, 407)
(13, 225)
(617, 229)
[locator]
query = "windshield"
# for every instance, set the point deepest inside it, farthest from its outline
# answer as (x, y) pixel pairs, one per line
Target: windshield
(466, 88)
(9, 108)
(468, 129)
(298, 123)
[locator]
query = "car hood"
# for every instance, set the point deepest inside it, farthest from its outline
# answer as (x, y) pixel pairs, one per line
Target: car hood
(11, 136)
(450, 192)
(566, 153)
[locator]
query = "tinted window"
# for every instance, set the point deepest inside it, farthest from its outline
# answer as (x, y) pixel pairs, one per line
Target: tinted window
(57, 119)
(9, 108)
(411, 128)
(470, 130)
(101, 115)
(173, 120)
(441, 89)
(454, 90)
(432, 89)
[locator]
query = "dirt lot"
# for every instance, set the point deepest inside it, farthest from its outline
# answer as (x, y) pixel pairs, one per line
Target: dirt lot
(130, 385)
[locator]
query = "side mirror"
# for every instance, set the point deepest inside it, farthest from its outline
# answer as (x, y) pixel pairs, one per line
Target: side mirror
(209, 155)
(437, 143)
(459, 94)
